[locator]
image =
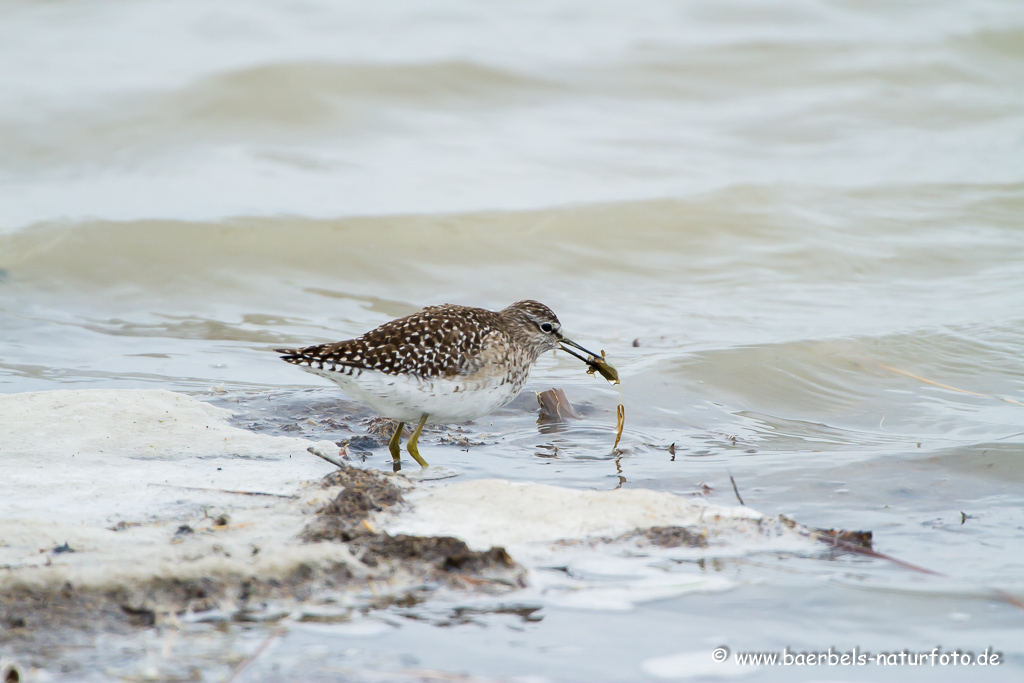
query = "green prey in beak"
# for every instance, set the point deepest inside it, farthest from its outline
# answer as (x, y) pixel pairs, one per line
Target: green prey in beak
(595, 362)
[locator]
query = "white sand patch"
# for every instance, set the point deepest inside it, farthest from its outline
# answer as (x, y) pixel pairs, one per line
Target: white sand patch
(73, 464)
(105, 455)
(562, 536)
(490, 512)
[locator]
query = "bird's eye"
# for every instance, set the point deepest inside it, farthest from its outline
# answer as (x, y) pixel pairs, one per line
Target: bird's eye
(546, 327)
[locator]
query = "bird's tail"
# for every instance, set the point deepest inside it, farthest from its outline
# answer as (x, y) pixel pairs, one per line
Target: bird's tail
(294, 356)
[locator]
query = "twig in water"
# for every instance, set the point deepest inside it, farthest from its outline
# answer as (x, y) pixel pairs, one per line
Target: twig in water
(1004, 438)
(861, 550)
(1009, 598)
(836, 540)
(736, 491)
(848, 546)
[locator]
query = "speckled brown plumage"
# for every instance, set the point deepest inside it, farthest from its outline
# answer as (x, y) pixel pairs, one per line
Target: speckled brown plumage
(438, 341)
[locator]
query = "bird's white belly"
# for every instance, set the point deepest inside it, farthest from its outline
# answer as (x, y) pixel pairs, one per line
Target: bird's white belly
(406, 397)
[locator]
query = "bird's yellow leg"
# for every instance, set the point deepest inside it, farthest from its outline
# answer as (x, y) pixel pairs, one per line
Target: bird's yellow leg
(395, 446)
(411, 445)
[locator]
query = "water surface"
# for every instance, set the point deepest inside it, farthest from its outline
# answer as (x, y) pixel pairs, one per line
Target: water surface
(796, 229)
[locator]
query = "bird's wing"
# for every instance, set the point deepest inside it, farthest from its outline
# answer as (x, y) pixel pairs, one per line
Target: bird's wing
(438, 341)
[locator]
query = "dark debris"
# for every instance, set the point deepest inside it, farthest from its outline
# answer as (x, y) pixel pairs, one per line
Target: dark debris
(366, 492)
(672, 537)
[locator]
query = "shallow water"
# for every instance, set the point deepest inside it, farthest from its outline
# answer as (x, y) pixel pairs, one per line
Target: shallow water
(797, 230)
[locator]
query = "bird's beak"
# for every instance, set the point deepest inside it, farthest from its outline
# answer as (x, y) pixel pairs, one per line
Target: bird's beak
(565, 343)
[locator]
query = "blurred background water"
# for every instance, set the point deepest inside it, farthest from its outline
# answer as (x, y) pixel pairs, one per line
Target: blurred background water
(796, 227)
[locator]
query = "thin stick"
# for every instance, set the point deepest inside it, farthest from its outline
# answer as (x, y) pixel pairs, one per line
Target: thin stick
(1009, 598)
(861, 550)
(329, 458)
(1004, 438)
(999, 594)
(241, 493)
(736, 491)
(1002, 595)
